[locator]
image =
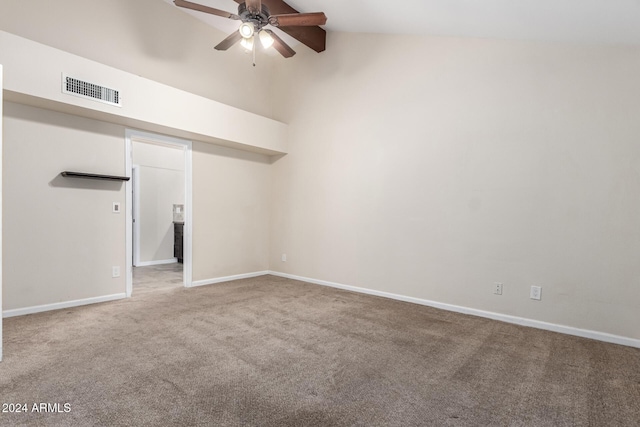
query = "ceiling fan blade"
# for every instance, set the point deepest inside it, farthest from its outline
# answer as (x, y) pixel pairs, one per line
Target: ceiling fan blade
(298, 19)
(205, 9)
(314, 37)
(232, 39)
(254, 6)
(280, 45)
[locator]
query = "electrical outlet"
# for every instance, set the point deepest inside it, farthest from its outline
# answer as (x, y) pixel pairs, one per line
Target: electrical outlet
(116, 207)
(115, 271)
(284, 257)
(497, 288)
(536, 293)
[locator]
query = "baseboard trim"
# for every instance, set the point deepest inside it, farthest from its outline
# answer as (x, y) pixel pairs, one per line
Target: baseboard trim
(569, 330)
(228, 278)
(159, 262)
(61, 305)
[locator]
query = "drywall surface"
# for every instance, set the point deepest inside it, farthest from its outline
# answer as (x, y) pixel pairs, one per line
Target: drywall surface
(148, 38)
(161, 185)
(1, 133)
(60, 237)
(34, 75)
(435, 167)
(230, 212)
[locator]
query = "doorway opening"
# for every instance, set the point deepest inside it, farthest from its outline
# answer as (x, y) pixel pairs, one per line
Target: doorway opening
(158, 212)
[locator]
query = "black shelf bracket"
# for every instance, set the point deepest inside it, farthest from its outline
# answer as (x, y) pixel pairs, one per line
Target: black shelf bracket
(69, 174)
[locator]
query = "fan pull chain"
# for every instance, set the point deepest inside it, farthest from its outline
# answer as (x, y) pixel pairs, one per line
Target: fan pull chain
(254, 52)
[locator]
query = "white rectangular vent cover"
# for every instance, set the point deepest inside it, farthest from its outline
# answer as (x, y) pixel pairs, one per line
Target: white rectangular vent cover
(77, 87)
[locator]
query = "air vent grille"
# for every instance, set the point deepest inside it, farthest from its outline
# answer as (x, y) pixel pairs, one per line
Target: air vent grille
(88, 90)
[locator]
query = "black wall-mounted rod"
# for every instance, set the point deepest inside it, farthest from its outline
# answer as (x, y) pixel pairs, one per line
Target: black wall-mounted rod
(69, 174)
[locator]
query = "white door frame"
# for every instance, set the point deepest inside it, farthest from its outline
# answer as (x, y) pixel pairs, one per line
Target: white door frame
(135, 204)
(138, 135)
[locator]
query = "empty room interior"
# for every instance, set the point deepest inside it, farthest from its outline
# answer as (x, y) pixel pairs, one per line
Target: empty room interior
(320, 213)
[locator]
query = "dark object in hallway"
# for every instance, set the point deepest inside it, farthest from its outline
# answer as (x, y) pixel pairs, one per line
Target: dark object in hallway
(178, 238)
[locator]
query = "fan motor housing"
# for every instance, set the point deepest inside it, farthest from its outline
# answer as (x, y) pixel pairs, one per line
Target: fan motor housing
(259, 20)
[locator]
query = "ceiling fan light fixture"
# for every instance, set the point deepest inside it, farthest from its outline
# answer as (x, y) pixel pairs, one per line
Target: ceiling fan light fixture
(265, 39)
(246, 30)
(254, 15)
(247, 43)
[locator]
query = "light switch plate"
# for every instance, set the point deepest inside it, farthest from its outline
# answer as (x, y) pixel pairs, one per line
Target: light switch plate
(116, 207)
(497, 288)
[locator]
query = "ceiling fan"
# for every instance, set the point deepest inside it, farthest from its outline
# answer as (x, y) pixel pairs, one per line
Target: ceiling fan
(257, 14)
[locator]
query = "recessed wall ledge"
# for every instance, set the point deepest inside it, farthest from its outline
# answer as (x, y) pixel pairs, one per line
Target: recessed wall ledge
(33, 75)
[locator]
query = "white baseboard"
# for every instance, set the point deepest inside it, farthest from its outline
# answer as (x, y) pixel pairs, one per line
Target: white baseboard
(569, 330)
(159, 262)
(228, 278)
(61, 305)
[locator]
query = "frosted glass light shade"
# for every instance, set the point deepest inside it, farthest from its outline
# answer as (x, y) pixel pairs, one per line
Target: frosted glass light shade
(247, 43)
(266, 40)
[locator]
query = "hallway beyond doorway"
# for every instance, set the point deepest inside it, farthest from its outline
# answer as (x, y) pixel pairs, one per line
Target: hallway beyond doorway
(157, 277)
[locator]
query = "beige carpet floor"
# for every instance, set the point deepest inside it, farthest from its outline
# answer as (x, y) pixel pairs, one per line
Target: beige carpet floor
(275, 352)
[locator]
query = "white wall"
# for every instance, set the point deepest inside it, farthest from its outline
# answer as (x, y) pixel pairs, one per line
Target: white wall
(230, 212)
(161, 185)
(1, 149)
(33, 77)
(149, 38)
(434, 167)
(60, 238)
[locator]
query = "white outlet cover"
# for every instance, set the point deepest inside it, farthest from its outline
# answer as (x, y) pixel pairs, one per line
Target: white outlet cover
(536, 293)
(115, 272)
(284, 257)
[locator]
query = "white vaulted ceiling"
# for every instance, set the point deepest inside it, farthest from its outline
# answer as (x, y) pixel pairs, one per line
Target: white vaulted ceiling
(590, 21)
